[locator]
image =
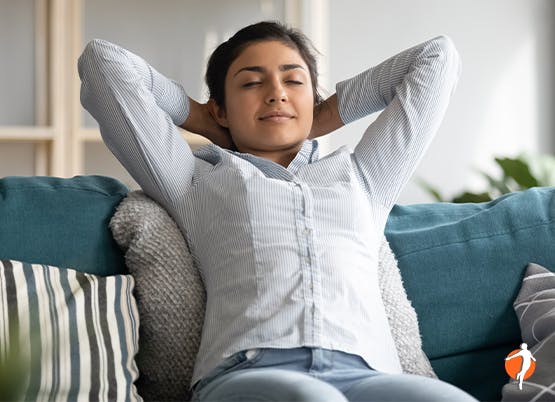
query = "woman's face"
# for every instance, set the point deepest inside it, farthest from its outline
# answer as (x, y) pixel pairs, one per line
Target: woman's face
(269, 100)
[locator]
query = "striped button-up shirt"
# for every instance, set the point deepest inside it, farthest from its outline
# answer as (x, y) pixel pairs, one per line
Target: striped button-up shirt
(288, 256)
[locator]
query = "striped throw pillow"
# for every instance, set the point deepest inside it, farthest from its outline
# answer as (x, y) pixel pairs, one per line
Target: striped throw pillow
(66, 335)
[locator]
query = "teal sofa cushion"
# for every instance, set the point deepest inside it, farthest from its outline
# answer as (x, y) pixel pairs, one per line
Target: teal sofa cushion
(462, 266)
(61, 222)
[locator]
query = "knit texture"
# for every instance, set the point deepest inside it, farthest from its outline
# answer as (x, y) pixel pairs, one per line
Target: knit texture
(171, 300)
(170, 297)
(401, 316)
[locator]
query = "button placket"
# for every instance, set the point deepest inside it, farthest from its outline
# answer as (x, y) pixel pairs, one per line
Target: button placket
(312, 268)
(304, 260)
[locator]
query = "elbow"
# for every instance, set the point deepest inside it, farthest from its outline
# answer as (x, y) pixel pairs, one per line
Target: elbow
(92, 58)
(449, 51)
(96, 47)
(89, 67)
(86, 63)
(447, 54)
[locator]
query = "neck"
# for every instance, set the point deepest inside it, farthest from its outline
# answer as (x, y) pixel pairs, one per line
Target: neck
(282, 157)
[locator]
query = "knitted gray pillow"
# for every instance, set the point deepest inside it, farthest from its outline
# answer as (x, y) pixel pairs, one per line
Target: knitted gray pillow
(401, 315)
(535, 309)
(170, 297)
(171, 300)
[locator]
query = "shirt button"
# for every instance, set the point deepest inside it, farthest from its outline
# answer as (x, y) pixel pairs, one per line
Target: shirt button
(307, 260)
(307, 231)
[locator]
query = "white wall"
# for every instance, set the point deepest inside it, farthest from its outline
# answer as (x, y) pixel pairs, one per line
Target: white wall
(503, 104)
(16, 77)
(504, 100)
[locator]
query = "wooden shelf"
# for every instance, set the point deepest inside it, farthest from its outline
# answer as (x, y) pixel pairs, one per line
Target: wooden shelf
(59, 136)
(93, 135)
(26, 133)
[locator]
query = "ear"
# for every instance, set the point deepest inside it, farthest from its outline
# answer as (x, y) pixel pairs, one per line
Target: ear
(218, 113)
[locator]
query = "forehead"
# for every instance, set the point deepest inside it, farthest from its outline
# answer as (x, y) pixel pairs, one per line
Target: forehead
(268, 54)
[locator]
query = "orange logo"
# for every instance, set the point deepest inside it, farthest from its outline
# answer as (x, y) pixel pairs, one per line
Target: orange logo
(520, 364)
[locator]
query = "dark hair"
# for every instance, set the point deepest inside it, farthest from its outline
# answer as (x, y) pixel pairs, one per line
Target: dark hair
(228, 51)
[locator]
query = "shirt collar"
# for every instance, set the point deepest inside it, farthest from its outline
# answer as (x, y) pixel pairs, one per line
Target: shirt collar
(307, 154)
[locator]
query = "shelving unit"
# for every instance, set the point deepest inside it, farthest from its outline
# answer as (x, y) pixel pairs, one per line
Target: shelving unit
(59, 135)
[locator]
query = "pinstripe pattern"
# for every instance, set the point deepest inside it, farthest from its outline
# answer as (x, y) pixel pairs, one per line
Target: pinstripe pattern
(288, 256)
(55, 303)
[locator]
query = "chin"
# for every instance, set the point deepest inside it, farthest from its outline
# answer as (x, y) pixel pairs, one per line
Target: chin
(287, 143)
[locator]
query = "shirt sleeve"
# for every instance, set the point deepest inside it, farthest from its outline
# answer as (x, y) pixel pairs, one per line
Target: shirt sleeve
(413, 89)
(138, 110)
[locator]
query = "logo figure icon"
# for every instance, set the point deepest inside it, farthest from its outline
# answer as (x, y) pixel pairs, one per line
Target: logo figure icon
(520, 369)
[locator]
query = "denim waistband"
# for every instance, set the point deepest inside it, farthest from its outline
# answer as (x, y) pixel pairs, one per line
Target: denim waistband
(312, 360)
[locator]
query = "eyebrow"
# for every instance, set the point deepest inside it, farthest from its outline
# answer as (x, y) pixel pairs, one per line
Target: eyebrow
(259, 69)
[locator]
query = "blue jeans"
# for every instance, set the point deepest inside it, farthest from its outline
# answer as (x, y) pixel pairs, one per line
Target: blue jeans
(314, 374)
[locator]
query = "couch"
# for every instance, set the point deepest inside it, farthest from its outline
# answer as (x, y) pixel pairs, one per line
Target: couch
(462, 265)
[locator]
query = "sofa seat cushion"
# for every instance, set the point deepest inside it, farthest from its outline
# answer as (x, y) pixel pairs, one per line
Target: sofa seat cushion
(61, 222)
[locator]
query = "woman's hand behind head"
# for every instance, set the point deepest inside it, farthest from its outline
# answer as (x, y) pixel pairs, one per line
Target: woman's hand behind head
(200, 121)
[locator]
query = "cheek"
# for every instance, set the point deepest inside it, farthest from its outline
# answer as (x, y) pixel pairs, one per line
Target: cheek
(308, 107)
(239, 102)
(234, 106)
(239, 115)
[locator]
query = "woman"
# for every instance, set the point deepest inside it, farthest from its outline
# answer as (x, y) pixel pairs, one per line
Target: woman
(286, 243)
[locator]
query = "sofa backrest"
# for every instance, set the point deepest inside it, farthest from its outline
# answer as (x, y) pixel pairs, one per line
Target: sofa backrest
(61, 222)
(462, 267)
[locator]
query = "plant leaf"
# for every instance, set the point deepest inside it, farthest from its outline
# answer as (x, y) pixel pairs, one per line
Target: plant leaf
(542, 168)
(498, 185)
(472, 197)
(518, 170)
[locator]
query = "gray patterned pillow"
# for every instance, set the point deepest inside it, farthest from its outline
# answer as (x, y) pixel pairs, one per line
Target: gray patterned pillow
(535, 309)
(171, 300)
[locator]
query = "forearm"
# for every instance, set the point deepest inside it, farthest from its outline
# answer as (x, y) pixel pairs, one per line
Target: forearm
(326, 118)
(375, 88)
(168, 95)
(137, 110)
(414, 87)
(368, 92)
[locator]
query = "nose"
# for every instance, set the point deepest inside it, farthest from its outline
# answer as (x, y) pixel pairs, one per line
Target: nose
(276, 93)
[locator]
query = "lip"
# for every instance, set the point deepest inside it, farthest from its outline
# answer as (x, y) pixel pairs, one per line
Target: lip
(276, 116)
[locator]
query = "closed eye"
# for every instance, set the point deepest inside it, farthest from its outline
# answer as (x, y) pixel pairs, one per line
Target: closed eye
(251, 84)
(294, 82)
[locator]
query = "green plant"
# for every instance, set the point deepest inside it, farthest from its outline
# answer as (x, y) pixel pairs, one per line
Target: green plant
(13, 368)
(517, 174)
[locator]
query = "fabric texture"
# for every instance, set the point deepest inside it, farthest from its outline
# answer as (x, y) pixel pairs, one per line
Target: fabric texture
(447, 253)
(61, 222)
(401, 315)
(170, 296)
(171, 300)
(315, 374)
(535, 309)
(74, 335)
(251, 222)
